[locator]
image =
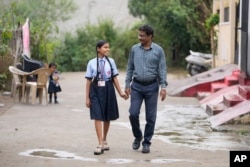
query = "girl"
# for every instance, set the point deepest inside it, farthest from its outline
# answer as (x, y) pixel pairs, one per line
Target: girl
(101, 77)
(54, 86)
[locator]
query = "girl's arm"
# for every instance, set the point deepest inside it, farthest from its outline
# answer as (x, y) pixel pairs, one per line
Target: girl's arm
(118, 88)
(88, 102)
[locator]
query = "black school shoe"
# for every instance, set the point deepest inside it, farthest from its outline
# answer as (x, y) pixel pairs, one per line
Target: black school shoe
(136, 144)
(145, 149)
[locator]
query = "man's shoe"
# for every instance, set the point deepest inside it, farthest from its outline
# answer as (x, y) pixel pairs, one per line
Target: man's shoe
(137, 143)
(145, 149)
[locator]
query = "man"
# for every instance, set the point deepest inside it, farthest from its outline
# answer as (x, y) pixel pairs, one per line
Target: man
(146, 70)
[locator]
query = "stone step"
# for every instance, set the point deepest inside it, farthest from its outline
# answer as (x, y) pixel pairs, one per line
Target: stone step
(202, 94)
(231, 80)
(236, 73)
(214, 109)
(244, 80)
(244, 91)
(232, 99)
(217, 86)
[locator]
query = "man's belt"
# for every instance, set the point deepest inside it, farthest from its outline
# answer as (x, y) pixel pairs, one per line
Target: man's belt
(145, 83)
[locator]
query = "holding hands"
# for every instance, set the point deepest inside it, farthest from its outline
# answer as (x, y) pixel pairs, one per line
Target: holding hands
(124, 95)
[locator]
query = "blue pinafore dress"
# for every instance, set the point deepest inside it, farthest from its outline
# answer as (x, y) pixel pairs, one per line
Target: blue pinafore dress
(103, 99)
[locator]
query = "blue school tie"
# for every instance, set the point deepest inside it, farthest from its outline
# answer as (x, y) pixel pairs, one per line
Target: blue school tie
(102, 68)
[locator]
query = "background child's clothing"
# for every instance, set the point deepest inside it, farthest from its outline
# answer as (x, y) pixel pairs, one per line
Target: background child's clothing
(54, 86)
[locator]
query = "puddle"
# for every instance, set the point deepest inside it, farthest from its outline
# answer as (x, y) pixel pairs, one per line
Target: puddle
(188, 125)
(54, 154)
(63, 155)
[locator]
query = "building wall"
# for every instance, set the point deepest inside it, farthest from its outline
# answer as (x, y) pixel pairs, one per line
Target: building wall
(226, 31)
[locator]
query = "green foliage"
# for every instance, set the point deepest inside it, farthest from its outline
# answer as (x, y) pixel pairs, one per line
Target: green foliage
(212, 21)
(77, 50)
(179, 24)
(3, 79)
(42, 15)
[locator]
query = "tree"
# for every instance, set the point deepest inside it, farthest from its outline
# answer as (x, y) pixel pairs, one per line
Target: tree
(211, 22)
(43, 16)
(180, 23)
(77, 49)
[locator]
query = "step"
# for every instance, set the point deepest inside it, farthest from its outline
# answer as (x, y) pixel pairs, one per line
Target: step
(214, 109)
(244, 80)
(244, 91)
(236, 73)
(201, 95)
(217, 86)
(231, 80)
(232, 99)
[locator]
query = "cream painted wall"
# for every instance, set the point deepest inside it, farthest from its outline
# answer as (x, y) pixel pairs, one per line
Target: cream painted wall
(226, 32)
(224, 44)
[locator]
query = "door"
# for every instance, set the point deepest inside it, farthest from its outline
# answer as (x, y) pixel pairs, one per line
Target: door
(245, 55)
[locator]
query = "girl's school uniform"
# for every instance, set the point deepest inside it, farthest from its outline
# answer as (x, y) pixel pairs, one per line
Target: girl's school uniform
(54, 86)
(104, 105)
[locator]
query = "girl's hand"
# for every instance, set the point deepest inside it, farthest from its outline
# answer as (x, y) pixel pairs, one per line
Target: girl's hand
(124, 95)
(88, 103)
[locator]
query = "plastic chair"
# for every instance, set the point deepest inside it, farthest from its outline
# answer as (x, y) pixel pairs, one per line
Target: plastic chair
(37, 87)
(17, 84)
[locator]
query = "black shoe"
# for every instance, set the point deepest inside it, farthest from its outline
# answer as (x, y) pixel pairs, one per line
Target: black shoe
(145, 149)
(137, 143)
(56, 102)
(50, 102)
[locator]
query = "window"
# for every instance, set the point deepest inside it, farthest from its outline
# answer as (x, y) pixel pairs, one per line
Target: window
(226, 14)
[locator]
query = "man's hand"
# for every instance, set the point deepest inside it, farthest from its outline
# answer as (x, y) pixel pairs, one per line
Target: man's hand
(163, 94)
(127, 91)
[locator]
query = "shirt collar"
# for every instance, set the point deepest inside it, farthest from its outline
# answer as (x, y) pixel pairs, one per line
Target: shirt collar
(146, 49)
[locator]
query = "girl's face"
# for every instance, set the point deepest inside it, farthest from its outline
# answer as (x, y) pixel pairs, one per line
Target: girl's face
(103, 50)
(53, 68)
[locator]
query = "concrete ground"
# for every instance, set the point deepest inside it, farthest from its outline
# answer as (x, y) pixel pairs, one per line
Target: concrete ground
(63, 135)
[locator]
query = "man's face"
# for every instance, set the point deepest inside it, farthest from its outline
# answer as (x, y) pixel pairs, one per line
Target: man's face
(143, 37)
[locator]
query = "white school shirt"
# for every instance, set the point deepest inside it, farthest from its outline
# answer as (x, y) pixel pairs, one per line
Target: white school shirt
(92, 68)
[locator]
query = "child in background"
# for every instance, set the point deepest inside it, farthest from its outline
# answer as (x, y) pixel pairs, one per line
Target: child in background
(54, 86)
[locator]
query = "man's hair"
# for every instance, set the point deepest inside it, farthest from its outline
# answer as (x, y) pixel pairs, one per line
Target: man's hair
(147, 29)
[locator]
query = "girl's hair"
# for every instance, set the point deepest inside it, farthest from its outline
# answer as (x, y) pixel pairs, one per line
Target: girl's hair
(52, 64)
(100, 43)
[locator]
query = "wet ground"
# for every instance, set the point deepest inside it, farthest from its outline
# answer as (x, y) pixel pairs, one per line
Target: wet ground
(40, 135)
(188, 125)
